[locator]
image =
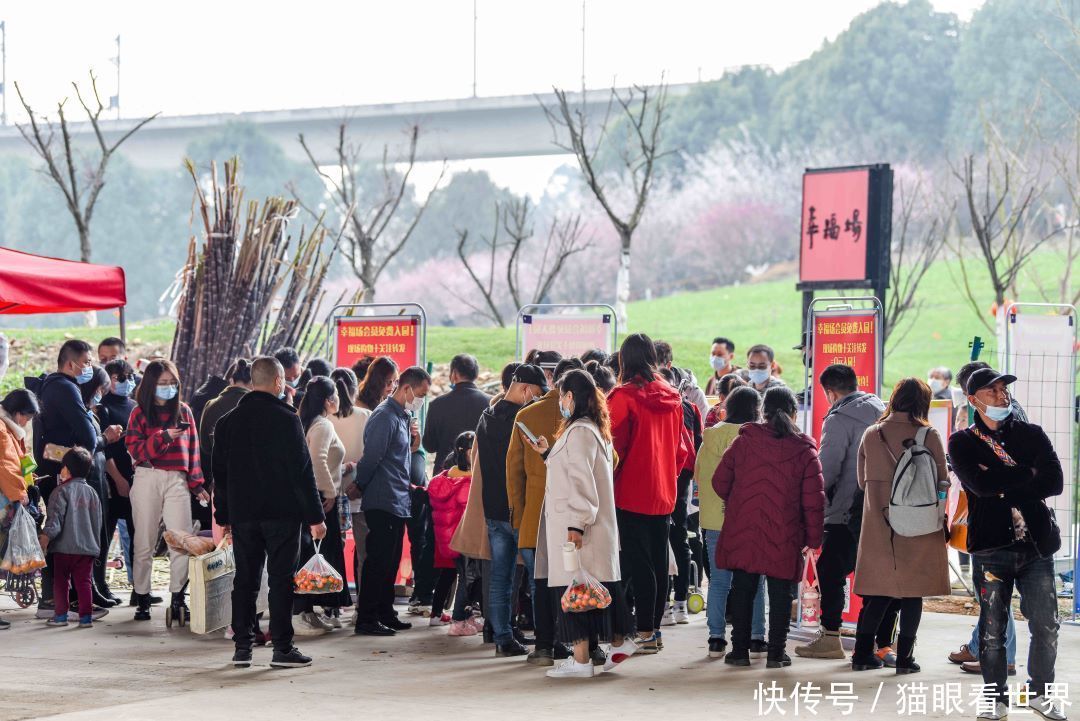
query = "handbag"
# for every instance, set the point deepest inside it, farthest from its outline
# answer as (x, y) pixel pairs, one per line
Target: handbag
(211, 581)
(958, 523)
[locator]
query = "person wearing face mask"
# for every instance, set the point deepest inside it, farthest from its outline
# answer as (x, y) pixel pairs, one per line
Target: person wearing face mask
(493, 437)
(64, 422)
(115, 409)
(758, 371)
(164, 447)
(17, 410)
(265, 494)
(940, 382)
(526, 481)
(722, 362)
(383, 477)
(97, 478)
(1008, 469)
(851, 412)
(290, 361)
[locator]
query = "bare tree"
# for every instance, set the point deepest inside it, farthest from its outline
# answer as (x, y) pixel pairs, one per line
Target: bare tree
(79, 179)
(368, 244)
(1006, 224)
(487, 289)
(1066, 163)
(643, 110)
(917, 244)
(564, 239)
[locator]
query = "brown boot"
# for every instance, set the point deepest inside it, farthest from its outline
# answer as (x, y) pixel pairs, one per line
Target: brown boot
(976, 667)
(826, 645)
(964, 655)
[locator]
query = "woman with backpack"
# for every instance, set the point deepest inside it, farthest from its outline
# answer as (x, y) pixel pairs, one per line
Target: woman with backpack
(892, 565)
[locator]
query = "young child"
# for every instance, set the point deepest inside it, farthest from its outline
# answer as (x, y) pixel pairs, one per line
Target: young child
(72, 534)
(449, 493)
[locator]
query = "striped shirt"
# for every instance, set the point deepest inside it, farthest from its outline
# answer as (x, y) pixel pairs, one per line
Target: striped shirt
(148, 443)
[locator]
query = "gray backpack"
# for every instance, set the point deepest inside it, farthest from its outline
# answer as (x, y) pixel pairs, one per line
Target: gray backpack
(914, 507)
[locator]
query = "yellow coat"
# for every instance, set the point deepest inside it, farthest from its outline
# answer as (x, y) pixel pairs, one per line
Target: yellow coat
(714, 443)
(526, 472)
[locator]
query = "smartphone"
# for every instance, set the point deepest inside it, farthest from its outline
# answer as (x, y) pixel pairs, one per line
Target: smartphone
(183, 425)
(528, 434)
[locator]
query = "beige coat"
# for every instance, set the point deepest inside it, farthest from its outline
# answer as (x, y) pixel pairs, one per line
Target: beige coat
(920, 566)
(327, 454)
(580, 494)
(471, 538)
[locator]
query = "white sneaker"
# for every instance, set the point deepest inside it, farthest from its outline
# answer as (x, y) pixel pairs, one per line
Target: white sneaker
(668, 619)
(334, 621)
(679, 613)
(1047, 708)
(229, 635)
(999, 713)
(571, 669)
(618, 654)
(442, 620)
(306, 624)
(416, 609)
(318, 619)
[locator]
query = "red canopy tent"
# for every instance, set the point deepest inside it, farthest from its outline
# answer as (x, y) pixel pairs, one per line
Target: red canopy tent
(37, 284)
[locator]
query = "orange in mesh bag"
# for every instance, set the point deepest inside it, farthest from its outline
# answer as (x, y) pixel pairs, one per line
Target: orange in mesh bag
(318, 576)
(585, 593)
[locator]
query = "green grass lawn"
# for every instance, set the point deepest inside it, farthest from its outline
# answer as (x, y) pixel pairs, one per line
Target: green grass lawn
(748, 314)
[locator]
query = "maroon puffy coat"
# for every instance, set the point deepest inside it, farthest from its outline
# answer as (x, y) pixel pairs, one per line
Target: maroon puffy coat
(775, 502)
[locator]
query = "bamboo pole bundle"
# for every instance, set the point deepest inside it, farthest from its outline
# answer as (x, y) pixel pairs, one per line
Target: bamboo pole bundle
(231, 284)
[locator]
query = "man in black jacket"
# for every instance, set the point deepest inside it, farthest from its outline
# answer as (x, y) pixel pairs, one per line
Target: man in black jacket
(1008, 469)
(452, 414)
(264, 492)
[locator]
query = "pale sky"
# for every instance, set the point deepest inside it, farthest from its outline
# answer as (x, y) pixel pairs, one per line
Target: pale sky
(198, 56)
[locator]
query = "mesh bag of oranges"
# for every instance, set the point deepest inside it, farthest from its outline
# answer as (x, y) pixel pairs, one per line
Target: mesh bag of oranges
(585, 593)
(24, 554)
(318, 576)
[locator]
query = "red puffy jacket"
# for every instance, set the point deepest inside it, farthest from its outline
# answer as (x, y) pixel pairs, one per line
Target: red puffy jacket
(775, 502)
(649, 436)
(449, 492)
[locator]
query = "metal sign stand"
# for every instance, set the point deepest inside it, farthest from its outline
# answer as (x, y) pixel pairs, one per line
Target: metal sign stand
(527, 311)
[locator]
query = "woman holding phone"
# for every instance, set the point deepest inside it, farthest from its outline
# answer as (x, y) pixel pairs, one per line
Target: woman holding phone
(579, 512)
(164, 448)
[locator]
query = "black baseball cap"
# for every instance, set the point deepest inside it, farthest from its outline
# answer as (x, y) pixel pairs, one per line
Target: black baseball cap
(532, 375)
(986, 377)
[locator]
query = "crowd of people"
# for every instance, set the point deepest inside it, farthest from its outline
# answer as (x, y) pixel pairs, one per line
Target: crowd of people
(614, 473)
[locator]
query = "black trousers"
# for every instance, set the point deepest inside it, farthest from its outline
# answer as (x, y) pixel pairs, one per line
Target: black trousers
(874, 612)
(545, 612)
(837, 561)
(422, 548)
(443, 586)
(277, 544)
(741, 604)
(644, 561)
(677, 534)
(886, 633)
(386, 533)
(697, 546)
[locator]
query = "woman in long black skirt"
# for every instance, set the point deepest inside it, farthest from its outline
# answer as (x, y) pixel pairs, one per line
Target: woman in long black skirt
(327, 453)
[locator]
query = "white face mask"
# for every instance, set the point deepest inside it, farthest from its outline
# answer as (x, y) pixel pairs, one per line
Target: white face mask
(758, 376)
(936, 385)
(718, 364)
(415, 404)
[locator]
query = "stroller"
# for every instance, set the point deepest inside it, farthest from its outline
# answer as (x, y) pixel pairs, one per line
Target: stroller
(23, 588)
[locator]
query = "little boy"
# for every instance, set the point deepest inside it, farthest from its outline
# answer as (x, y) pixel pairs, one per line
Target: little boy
(72, 534)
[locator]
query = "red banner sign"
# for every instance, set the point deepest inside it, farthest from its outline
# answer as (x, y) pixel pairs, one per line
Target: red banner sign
(835, 224)
(849, 338)
(359, 337)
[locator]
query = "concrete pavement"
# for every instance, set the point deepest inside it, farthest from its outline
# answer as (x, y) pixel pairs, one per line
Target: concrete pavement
(122, 670)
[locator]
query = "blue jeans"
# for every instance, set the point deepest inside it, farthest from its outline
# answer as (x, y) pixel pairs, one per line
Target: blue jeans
(528, 555)
(995, 575)
(503, 540)
(719, 587)
(1010, 631)
(125, 545)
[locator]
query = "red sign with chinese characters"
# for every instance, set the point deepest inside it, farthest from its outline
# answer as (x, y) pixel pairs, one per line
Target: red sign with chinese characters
(397, 337)
(849, 338)
(835, 211)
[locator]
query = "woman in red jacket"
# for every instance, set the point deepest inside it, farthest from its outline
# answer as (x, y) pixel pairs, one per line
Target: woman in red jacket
(649, 437)
(449, 494)
(770, 478)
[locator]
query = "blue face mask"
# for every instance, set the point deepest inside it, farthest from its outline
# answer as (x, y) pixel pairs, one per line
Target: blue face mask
(294, 382)
(998, 413)
(759, 376)
(565, 413)
(85, 375)
(124, 388)
(166, 393)
(96, 400)
(453, 386)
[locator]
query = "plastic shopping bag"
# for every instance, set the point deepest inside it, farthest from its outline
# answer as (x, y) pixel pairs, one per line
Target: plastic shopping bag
(318, 576)
(585, 593)
(24, 554)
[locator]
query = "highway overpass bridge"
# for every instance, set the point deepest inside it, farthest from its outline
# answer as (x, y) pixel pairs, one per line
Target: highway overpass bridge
(485, 127)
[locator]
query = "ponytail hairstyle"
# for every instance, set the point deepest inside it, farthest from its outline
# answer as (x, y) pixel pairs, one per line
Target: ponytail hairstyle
(463, 450)
(345, 381)
(778, 407)
(239, 372)
(589, 402)
(318, 390)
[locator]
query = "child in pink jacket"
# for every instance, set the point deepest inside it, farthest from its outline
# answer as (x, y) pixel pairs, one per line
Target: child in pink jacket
(449, 492)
